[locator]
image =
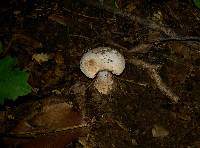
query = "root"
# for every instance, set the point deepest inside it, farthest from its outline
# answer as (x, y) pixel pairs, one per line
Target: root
(153, 72)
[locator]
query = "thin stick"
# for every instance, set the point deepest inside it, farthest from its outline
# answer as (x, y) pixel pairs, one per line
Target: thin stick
(80, 36)
(36, 133)
(82, 15)
(7, 48)
(179, 38)
(132, 81)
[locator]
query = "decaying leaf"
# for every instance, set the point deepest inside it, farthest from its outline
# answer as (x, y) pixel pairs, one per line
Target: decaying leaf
(40, 58)
(158, 131)
(26, 40)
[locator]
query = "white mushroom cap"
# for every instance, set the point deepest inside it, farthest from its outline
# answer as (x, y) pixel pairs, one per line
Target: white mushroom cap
(102, 59)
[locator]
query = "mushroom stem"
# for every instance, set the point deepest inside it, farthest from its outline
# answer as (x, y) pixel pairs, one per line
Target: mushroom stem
(104, 82)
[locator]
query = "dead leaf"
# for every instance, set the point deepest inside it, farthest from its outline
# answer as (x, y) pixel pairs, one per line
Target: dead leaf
(27, 40)
(158, 131)
(55, 125)
(41, 57)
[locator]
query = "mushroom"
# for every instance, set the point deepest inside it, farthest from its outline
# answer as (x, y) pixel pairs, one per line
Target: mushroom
(103, 62)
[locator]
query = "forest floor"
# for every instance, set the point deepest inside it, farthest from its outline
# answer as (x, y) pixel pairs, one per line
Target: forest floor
(156, 102)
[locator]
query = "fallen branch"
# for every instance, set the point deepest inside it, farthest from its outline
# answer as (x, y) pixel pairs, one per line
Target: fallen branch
(146, 22)
(153, 72)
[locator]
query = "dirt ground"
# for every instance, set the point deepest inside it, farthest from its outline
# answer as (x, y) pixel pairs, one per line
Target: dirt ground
(156, 101)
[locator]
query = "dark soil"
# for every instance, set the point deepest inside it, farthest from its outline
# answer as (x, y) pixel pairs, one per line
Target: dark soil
(137, 113)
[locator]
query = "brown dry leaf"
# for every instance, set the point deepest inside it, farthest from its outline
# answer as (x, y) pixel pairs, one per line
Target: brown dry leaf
(56, 125)
(59, 19)
(57, 116)
(59, 59)
(27, 40)
(158, 131)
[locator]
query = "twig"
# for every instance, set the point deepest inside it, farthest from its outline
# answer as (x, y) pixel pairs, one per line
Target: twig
(153, 72)
(178, 38)
(80, 36)
(7, 48)
(83, 15)
(116, 45)
(132, 81)
(145, 47)
(36, 133)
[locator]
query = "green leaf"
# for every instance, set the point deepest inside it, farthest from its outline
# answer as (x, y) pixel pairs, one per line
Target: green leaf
(197, 3)
(13, 82)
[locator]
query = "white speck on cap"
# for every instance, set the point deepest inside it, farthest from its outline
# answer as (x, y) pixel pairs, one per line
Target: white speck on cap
(102, 59)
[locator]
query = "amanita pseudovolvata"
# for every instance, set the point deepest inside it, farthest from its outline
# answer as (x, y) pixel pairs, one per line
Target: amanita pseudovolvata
(103, 62)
